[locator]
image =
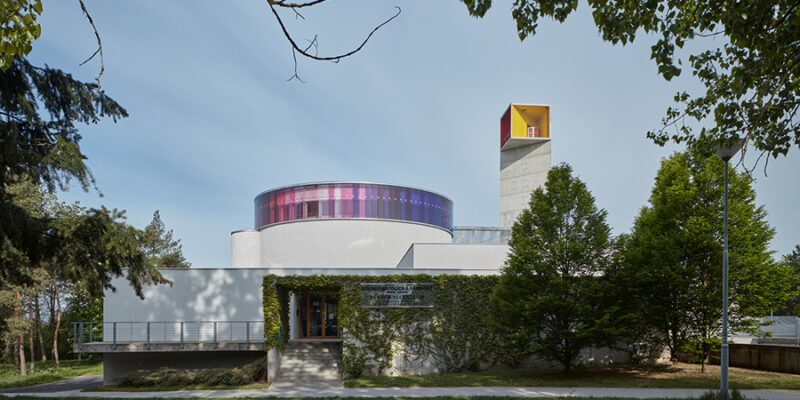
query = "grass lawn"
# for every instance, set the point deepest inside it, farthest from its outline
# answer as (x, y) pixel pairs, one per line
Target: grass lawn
(377, 398)
(669, 376)
(168, 388)
(46, 372)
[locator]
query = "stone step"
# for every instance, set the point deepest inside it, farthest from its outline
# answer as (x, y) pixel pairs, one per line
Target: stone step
(311, 356)
(309, 359)
(304, 352)
(293, 363)
(297, 371)
(322, 347)
(314, 344)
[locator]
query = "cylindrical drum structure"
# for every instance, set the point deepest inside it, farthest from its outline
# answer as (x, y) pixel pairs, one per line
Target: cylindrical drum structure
(341, 225)
(353, 200)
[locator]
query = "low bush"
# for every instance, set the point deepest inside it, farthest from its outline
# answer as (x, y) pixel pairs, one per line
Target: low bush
(716, 395)
(168, 377)
(355, 363)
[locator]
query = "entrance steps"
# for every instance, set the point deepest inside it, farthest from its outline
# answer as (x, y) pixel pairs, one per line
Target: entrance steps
(311, 360)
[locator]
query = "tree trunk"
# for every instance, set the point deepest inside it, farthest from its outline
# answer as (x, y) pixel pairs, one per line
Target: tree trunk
(52, 305)
(39, 329)
(30, 331)
(58, 325)
(22, 367)
(21, 339)
(16, 353)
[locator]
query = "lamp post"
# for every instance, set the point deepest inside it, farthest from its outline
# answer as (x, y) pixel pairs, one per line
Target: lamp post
(725, 152)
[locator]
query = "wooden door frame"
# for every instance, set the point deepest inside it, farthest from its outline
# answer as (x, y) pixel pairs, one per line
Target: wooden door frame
(307, 296)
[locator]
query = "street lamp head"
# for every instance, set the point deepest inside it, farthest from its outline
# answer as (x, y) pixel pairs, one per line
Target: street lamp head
(727, 151)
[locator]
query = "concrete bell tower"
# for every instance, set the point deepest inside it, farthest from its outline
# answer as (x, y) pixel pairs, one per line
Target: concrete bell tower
(524, 157)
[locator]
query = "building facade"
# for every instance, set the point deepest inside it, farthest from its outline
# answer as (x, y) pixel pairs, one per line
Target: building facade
(213, 316)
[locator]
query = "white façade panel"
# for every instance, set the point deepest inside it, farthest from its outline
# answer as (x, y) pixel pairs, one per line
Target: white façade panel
(343, 243)
(244, 249)
(218, 294)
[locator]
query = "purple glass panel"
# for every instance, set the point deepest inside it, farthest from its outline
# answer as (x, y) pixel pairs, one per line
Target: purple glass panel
(353, 200)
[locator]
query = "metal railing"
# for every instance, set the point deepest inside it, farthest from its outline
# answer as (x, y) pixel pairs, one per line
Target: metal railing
(180, 332)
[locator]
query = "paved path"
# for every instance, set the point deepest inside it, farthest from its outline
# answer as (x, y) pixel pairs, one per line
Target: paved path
(68, 385)
(334, 388)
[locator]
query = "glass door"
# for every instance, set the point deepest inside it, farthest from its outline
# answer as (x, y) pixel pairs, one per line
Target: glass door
(314, 315)
(318, 316)
(331, 316)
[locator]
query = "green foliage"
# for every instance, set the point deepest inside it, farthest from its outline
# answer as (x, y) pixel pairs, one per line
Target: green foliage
(751, 74)
(160, 247)
(47, 372)
(791, 262)
(354, 361)
(676, 376)
(672, 271)
(168, 377)
(456, 333)
(717, 395)
(18, 29)
(39, 152)
(549, 296)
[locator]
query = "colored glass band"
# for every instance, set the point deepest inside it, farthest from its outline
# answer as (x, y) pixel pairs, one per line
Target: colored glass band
(353, 200)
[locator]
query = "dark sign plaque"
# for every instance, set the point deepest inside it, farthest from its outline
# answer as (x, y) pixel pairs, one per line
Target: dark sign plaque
(396, 295)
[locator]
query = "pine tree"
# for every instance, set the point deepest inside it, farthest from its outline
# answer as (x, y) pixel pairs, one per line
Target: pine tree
(548, 296)
(160, 246)
(39, 110)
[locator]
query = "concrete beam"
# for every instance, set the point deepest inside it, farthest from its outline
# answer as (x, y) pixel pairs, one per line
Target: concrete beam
(141, 347)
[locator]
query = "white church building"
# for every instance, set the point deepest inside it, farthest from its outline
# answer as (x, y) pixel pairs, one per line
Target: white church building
(214, 316)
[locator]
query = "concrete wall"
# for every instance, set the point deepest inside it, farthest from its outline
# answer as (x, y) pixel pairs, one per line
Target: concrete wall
(342, 243)
(117, 364)
(522, 170)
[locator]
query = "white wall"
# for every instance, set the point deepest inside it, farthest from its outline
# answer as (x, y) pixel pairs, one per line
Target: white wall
(219, 294)
(455, 256)
(244, 249)
(342, 243)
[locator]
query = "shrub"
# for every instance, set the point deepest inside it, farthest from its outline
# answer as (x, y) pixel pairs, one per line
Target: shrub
(168, 377)
(355, 363)
(715, 395)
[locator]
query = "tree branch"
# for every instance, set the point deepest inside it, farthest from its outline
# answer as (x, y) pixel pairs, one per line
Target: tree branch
(99, 43)
(297, 48)
(283, 3)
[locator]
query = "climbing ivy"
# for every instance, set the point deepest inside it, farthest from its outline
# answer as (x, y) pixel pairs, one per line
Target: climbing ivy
(456, 334)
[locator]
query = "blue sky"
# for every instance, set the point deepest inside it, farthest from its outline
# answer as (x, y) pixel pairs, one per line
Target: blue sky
(214, 121)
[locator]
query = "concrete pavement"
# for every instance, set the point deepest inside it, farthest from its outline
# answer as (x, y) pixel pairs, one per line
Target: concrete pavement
(67, 385)
(334, 388)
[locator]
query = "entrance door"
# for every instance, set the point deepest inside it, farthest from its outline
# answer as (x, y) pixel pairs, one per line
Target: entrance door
(319, 316)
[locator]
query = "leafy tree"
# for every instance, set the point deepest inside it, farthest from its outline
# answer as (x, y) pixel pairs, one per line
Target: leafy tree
(549, 290)
(83, 249)
(792, 262)
(161, 249)
(673, 268)
(751, 74)
(18, 29)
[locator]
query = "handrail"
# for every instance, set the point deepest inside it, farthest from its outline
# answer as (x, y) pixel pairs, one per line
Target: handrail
(150, 332)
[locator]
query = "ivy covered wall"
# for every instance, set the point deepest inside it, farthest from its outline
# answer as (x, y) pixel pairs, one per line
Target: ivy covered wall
(455, 335)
